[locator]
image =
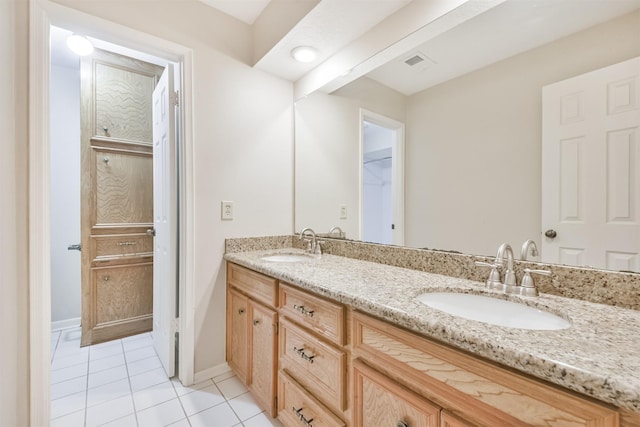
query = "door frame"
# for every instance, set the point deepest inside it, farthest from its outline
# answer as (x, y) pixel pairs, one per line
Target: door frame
(398, 196)
(43, 14)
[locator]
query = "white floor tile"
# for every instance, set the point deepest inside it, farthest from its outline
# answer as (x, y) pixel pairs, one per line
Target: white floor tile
(154, 395)
(65, 374)
(75, 419)
(65, 388)
(140, 353)
(106, 363)
(106, 351)
(232, 387)
(68, 404)
(219, 416)
(182, 390)
(182, 423)
(143, 365)
(137, 337)
(202, 399)
(104, 393)
(245, 406)
(62, 351)
(141, 342)
(147, 379)
(109, 411)
(127, 421)
(96, 379)
(70, 335)
(161, 415)
(224, 376)
(65, 361)
(262, 420)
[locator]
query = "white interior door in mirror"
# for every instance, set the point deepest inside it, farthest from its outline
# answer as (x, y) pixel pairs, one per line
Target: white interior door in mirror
(590, 169)
(164, 220)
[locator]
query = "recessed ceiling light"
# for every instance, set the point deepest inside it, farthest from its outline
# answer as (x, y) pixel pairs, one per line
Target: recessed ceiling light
(304, 53)
(80, 45)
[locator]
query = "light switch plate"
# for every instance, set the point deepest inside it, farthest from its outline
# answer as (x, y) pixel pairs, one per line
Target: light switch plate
(343, 211)
(226, 210)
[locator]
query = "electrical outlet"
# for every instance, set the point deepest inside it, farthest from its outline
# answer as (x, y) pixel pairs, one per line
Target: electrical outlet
(227, 210)
(343, 211)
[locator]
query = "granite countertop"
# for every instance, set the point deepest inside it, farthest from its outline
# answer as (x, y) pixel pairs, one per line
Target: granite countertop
(599, 355)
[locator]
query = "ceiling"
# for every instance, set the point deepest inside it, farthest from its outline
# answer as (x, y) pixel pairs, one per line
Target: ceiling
(245, 10)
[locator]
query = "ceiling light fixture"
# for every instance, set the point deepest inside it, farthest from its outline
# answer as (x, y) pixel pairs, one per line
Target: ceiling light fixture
(304, 53)
(80, 45)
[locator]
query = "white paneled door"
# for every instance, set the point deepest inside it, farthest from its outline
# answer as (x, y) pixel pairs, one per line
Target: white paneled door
(164, 219)
(590, 169)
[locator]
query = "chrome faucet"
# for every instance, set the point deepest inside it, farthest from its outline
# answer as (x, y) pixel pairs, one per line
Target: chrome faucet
(339, 230)
(509, 275)
(309, 236)
(526, 246)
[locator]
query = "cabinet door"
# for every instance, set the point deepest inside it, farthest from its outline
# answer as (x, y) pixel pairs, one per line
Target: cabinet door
(237, 329)
(380, 401)
(449, 420)
(262, 378)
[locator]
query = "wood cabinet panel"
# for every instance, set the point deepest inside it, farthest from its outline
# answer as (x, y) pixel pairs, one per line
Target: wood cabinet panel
(122, 245)
(263, 365)
(320, 315)
(449, 420)
(466, 384)
(261, 288)
(296, 407)
(379, 401)
(123, 293)
(123, 187)
(119, 112)
(237, 333)
(318, 366)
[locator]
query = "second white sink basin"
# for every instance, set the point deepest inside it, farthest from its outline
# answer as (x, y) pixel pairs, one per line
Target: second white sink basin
(493, 311)
(286, 258)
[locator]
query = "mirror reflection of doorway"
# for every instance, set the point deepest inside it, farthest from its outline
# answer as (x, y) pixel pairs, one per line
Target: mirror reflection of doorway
(382, 191)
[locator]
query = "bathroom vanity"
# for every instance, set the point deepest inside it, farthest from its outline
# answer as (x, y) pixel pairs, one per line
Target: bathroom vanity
(334, 341)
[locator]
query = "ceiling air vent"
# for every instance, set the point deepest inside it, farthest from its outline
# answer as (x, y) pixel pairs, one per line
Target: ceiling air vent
(418, 62)
(414, 60)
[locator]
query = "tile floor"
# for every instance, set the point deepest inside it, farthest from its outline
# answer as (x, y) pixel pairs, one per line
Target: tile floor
(122, 383)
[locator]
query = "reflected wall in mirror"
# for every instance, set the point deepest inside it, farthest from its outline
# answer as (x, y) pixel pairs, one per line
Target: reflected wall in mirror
(473, 167)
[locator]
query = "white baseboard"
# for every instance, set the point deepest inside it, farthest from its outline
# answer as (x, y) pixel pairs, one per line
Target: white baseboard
(64, 324)
(211, 372)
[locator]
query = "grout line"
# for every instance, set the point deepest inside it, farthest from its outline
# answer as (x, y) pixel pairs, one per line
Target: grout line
(133, 401)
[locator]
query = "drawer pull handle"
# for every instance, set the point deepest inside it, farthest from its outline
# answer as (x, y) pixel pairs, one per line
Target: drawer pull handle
(301, 417)
(401, 424)
(303, 310)
(126, 243)
(241, 311)
(303, 355)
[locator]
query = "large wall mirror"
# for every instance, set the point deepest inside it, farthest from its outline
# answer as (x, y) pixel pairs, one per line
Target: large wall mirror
(471, 107)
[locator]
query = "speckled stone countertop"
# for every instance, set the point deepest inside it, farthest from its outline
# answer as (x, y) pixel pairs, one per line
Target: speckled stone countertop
(599, 355)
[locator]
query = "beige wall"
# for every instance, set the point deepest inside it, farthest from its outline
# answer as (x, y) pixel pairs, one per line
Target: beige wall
(14, 356)
(475, 141)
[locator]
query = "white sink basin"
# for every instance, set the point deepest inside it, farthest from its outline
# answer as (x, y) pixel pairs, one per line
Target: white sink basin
(286, 258)
(494, 311)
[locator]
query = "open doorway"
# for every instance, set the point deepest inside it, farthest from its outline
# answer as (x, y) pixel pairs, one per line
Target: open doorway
(114, 168)
(382, 179)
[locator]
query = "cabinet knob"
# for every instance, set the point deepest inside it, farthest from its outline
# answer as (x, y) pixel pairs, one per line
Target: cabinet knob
(551, 234)
(105, 278)
(401, 424)
(256, 322)
(241, 311)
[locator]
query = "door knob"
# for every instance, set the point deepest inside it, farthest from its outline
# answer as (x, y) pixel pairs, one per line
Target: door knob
(151, 232)
(551, 234)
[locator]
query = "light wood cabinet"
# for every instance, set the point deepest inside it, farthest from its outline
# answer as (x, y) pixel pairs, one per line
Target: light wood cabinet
(377, 374)
(380, 401)
(463, 384)
(252, 333)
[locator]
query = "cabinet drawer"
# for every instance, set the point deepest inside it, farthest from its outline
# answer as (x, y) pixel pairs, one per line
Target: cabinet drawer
(322, 316)
(465, 384)
(258, 286)
(318, 366)
(296, 408)
(449, 420)
(379, 401)
(122, 245)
